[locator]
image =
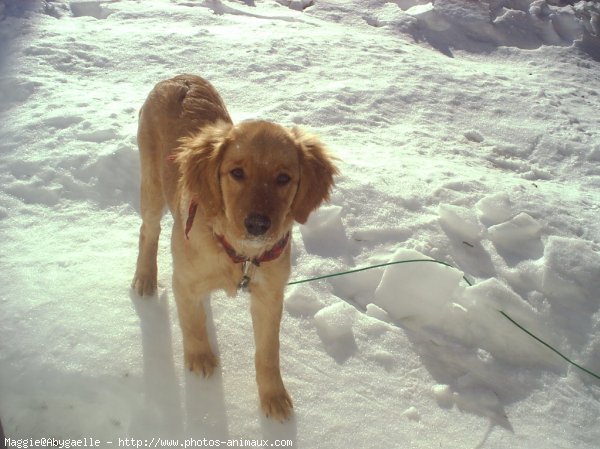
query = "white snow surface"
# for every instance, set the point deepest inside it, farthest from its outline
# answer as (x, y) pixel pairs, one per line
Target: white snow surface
(466, 132)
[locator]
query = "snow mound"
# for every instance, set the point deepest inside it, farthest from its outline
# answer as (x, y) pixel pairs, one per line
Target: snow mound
(571, 271)
(483, 26)
(571, 282)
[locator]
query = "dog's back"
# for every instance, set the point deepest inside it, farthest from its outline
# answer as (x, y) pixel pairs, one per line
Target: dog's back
(175, 108)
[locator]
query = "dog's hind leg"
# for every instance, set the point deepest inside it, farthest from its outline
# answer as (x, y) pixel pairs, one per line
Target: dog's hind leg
(152, 205)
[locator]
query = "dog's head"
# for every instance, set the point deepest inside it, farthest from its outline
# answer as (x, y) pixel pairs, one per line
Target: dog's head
(254, 179)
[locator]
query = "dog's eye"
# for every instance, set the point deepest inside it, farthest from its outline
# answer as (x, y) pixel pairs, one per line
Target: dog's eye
(237, 173)
(283, 179)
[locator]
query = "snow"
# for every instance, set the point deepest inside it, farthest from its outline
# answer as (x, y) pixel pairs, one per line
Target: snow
(460, 221)
(467, 132)
(416, 290)
(495, 209)
(324, 232)
(518, 237)
(335, 321)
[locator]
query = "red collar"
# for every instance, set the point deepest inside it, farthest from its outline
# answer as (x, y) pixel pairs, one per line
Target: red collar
(267, 256)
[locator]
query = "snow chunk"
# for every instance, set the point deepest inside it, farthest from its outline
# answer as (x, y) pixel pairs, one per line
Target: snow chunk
(571, 274)
(495, 209)
(385, 359)
(389, 15)
(378, 313)
(298, 5)
(412, 414)
(303, 301)
(416, 290)
(483, 326)
(518, 237)
(474, 136)
(359, 287)
(594, 154)
(16, 90)
(335, 322)
(420, 9)
(443, 395)
(90, 8)
(476, 398)
(98, 135)
(324, 234)
(460, 221)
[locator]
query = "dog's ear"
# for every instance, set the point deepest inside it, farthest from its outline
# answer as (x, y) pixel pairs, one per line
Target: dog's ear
(316, 174)
(199, 159)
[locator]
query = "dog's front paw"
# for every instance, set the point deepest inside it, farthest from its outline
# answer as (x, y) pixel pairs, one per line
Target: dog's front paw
(144, 284)
(201, 363)
(277, 405)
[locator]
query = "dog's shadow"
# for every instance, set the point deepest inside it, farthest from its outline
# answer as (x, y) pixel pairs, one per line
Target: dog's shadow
(273, 430)
(205, 398)
(161, 412)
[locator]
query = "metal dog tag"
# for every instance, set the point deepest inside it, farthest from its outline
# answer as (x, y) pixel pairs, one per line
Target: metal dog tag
(244, 283)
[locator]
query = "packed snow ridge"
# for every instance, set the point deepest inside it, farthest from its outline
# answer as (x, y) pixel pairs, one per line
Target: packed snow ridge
(480, 26)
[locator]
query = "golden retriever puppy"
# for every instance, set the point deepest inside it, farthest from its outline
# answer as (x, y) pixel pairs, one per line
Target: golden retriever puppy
(234, 192)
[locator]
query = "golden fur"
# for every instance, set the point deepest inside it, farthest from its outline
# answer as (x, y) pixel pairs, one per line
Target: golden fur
(190, 151)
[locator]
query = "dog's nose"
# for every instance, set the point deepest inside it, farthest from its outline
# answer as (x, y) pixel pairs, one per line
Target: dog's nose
(257, 224)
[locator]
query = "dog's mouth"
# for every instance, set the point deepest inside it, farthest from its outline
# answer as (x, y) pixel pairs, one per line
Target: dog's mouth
(254, 249)
(256, 242)
(247, 244)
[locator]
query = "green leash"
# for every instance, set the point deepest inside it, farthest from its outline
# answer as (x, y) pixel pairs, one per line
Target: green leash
(469, 283)
(398, 262)
(591, 373)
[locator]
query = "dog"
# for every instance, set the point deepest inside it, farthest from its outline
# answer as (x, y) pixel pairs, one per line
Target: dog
(234, 192)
